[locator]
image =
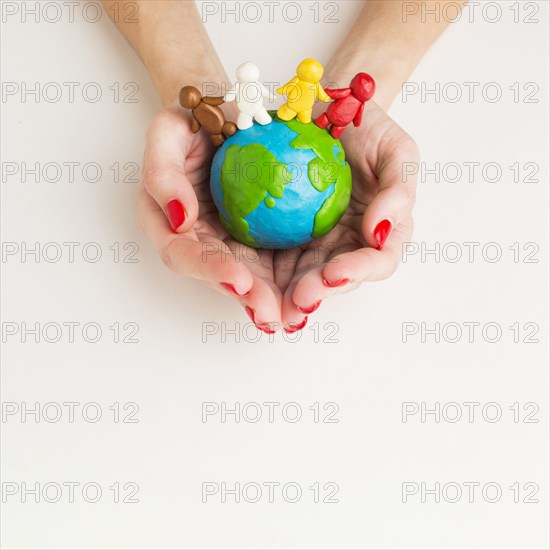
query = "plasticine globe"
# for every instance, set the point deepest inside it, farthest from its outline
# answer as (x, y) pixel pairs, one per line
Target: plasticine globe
(280, 185)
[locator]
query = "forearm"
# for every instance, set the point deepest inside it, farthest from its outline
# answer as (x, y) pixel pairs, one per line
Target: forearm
(170, 38)
(388, 40)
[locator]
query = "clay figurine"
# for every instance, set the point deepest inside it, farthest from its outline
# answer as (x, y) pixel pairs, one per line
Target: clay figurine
(207, 114)
(302, 91)
(348, 106)
(249, 93)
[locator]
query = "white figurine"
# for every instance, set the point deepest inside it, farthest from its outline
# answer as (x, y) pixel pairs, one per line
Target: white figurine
(249, 93)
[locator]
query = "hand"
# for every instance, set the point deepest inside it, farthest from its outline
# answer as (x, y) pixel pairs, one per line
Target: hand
(176, 211)
(367, 242)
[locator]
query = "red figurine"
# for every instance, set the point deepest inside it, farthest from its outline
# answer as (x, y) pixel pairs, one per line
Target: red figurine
(348, 106)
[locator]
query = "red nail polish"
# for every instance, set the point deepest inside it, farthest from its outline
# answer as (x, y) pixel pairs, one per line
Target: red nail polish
(309, 310)
(335, 284)
(382, 232)
(175, 214)
(291, 328)
(231, 288)
(264, 327)
(250, 313)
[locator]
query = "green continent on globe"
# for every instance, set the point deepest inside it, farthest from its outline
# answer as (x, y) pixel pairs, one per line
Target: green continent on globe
(244, 188)
(328, 167)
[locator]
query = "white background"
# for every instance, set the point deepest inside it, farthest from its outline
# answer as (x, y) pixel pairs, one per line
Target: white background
(355, 358)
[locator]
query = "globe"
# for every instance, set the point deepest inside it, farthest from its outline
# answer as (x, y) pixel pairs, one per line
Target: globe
(280, 185)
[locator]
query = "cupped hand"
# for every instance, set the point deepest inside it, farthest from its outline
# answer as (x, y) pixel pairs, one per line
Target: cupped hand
(366, 244)
(278, 288)
(176, 211)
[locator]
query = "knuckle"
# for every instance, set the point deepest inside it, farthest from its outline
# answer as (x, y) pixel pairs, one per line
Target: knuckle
(158, 180)
(409, 193)
(414, 150)
(394, 265)
(167, 255)
(382, 267)
(152, 177)
(391, 268)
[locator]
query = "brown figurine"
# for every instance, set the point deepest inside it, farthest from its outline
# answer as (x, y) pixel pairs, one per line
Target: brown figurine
(207, 114)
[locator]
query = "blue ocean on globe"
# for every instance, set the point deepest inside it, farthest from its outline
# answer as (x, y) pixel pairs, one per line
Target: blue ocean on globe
(276, 221)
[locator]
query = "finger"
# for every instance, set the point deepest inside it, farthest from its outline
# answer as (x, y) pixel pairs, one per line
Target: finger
(307, 289)
(263, 305)
(396, 196)
(295, 317)
(369, 264)
(211, 261)
(284, 266)
(292, 318)
(386, 211)
(311, 290)
(165, 174)
(346, 271)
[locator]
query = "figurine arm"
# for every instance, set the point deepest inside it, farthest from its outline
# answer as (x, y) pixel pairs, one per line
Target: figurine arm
(267, 94)
(321, 94)
(210, 100)
(359, 116)
(284, 90)
(339, 93)
(231, 95)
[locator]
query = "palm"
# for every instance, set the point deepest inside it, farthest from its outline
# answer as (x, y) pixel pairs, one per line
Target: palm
(282, 285)
(209, 230)
(202, 247)
(370, 149)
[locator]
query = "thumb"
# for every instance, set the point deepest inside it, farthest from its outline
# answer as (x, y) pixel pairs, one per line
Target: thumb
(396, 196)
(390, 207)
(164, 170)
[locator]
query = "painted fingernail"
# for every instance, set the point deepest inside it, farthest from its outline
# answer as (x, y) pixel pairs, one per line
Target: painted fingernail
(229, 287)
(291, 328)
(335, 284)
(382, 232)
(264, 327)
(175, 214)
(311, 309)
(250, 313)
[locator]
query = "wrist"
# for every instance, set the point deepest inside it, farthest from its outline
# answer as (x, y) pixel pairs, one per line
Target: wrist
(390, 64)
(177, 51)
(387, 41)
(169, 76)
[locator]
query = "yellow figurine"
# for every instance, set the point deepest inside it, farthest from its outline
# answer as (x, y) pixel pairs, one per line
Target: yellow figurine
(302, 91)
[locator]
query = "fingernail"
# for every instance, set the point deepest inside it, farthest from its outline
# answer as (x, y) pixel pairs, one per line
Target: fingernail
(335, 284)
(264, 327)
(291, 328)
(231, 288)
(381, 232)
(308, 310)
(175, 214)
(250, 313)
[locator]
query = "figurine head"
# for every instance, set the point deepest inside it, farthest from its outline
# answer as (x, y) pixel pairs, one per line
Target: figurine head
(190, 97)
(248, 72)
(363, 86)
(310, 70)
